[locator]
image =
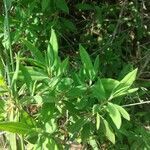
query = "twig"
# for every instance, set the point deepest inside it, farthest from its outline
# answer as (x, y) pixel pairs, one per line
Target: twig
(134, 104)
(118, 23)
(144, 65)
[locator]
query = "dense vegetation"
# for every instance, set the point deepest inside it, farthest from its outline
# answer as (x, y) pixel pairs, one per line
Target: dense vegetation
(74, 74)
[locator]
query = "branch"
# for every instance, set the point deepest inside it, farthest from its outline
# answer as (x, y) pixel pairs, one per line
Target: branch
(134, 104)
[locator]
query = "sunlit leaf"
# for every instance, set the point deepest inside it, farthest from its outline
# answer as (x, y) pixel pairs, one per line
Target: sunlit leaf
(109, 132)
(114, 114)
(15, 127)
(54, 44)
(129, 78)
(86, 60)
(123, 112)
(97, 121)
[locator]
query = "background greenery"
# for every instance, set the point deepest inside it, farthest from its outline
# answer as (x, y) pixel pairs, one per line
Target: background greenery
(51, 90)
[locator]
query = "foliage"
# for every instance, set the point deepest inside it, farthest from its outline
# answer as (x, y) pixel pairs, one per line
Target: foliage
(50, 100)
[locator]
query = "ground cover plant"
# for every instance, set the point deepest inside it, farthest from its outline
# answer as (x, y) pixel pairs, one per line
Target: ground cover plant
(67, 87)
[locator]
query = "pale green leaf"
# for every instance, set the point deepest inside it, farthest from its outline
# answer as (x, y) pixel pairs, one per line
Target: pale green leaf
(85, 58)
(54, 44)
(132, 90)
(98, 121)
(114, 114)
(93, 144)
(129, 78)
(15, 127)
(50, 55)
(123, 112)
(109, 132)
(125, 84)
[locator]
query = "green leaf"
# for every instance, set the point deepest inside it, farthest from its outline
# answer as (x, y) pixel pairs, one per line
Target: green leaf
(120, 91)
(35, 52)
(35, 73)
(38, 99)
(93, 144)
(62, 5)
(77, 91)
(109, 132)
(54, 44)
(123, 112)
(15, 75)
(132, 90)
(97, 121)
(129, 78)
(15, 127)
(86, 132)
(126, 68)
(27, 78)
(125, 84)
(124, 91)
(96, 108)
(47, 111)
(45, 4)
(99, 91)
(109, 85)
(50, 55)
(114, 114)
(27, 119)
(65, 84)
(76, 127)
(85, 58)
(63, 66)
(71, 108)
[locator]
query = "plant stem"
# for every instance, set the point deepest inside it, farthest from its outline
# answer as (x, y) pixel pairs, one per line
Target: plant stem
(134, 104)
(22, 142)
(8, 49)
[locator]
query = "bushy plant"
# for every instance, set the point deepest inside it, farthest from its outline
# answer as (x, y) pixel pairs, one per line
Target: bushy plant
(50, 106)
(51, 101)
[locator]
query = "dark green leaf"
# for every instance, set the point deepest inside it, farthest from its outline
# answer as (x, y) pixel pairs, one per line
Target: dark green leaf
(77, 126)
(62, 5)
(45, 4)
(109, 85)
(99, 91)
(27, 78)
(35, 52)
